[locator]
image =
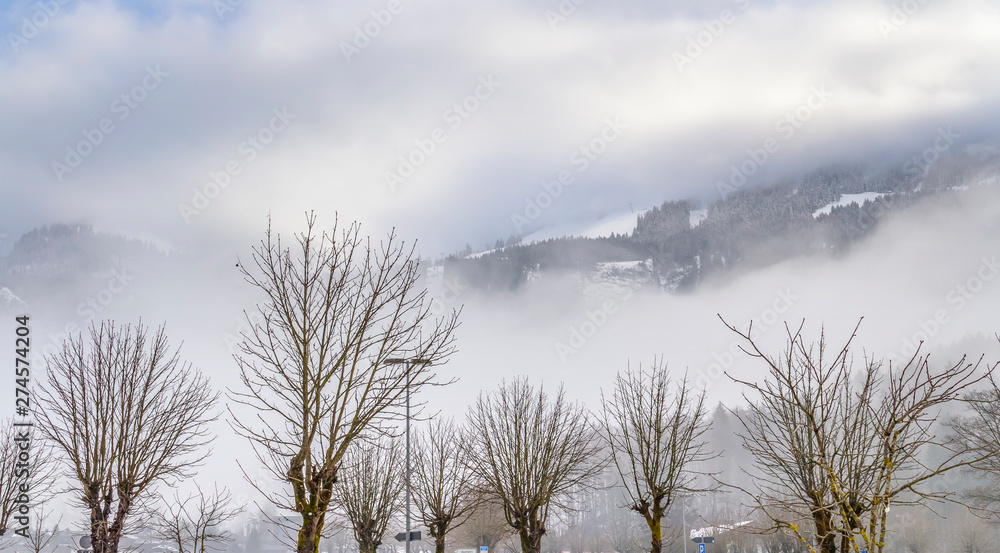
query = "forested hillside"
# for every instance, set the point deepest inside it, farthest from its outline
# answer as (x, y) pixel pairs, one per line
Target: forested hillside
(678, 244)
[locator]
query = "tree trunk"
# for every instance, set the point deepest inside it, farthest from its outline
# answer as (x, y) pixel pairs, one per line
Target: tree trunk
(654, 517)
(531, 542)
(367, 547)
(313, 492)
(484, 540)
(531, 534)
(824, 531)
(309, 534)
(438, 530)
(103, 537)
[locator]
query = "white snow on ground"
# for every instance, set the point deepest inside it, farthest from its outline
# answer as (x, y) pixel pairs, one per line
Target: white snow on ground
(609, 267)
(477, 255)
(617, 279)
(621, 223)
(697, 216)
(847, 199)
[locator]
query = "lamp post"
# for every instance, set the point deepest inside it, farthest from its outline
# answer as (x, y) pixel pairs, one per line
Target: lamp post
(409, 363)
(684, 538)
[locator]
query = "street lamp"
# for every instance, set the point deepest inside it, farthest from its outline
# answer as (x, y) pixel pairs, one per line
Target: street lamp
(685, 537)
(409, 363)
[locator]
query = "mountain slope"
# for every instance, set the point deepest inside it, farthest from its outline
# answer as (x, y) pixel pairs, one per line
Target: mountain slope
(677, 245)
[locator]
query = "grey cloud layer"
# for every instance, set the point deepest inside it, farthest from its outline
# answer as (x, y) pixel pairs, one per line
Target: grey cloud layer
(697, 85)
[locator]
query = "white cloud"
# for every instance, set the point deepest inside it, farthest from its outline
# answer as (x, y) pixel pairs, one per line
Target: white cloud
(355, 119)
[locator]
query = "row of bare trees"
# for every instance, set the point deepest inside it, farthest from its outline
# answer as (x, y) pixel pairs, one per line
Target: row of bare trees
(342, 332)
(528, 455)
(125, 414)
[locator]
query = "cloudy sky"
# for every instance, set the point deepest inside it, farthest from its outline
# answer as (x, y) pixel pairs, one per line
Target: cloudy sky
(188, 122)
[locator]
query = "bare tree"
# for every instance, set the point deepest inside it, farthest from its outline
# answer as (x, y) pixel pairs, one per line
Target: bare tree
(39, 537)
(656, 434)
(442, 480)
(837, 446)
(980, 432)
(10, 477)
(622, 531)
(970, 534)
(125, 413)
(26, 471)
(530, 453)
(194, 524)
(915, 531)
(370, 490)
(314, 365)
(486, 527)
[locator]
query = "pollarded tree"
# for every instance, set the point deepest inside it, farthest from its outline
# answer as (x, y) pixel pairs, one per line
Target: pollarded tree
(370, 489)
(125, 413)
(837, 445)
(320, 364)
(655, 432)
(530, 453)
(442, 480)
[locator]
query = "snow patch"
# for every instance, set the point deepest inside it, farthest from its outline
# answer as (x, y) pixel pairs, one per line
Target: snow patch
(846, 200)
(477, 255)
(697, 216)
(621, 223)
(617, 279)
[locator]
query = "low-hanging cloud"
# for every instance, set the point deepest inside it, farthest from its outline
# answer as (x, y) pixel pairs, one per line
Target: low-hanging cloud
(750, 65)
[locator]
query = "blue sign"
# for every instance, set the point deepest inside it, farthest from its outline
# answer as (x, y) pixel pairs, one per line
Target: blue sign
(483, 549)
(701, 548)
